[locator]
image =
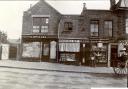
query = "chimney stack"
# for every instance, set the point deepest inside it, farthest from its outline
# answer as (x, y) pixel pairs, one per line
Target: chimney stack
(84, 6)
(112, 4)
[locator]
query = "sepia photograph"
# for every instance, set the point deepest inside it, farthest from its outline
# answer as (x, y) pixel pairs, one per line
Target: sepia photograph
(63, 44)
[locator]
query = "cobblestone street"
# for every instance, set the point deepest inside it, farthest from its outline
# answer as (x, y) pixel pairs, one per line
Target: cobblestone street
(11, 78)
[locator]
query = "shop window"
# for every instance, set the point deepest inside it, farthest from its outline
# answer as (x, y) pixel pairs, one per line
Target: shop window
(126, 25)
(67, 57)
(68, 26)
(31, 49)
(40, 24)
(108, 28)
(99, 53)
(94, 27)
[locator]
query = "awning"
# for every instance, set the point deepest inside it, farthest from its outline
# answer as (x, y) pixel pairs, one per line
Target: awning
(69, 47)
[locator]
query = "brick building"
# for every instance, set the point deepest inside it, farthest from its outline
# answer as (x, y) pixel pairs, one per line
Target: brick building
(50, 36)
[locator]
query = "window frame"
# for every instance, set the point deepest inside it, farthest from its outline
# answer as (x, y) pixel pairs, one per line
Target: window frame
(126, 25)
(69, 25)
(108, 27)
(94, 29)
(42, 22)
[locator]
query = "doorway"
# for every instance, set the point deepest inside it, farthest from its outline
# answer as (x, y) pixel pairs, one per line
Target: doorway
(114, 53)
(45, 52)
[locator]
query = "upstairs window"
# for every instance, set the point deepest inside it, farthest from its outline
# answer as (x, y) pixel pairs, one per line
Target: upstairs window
(44, 29)
(68, 26)
(94, 27)
(126, 26)
(108, 28)
(124, 3)
(36, 29)
(40, 24)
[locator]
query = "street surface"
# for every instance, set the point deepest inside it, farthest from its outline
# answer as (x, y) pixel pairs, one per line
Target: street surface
(11, 78)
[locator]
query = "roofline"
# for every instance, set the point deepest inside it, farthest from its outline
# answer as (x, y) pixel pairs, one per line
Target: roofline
(98, 10)
(70, 14)
(87, 10)
(45, 3)
(50, 6)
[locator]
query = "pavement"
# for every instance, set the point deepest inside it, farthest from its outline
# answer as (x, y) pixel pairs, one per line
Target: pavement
(44, 66)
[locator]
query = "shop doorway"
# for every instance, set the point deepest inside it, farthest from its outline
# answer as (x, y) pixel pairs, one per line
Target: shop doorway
(114, 54)
(45, 52)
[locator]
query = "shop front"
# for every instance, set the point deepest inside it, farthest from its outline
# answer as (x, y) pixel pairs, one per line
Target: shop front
(99, 54)
(39, 48)
(69, 51)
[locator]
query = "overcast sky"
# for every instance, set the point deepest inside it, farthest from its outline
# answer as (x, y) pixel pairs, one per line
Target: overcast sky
(11, 12)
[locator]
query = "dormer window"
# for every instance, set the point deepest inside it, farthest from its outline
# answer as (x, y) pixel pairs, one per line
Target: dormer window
(68, 26)
(40, 24)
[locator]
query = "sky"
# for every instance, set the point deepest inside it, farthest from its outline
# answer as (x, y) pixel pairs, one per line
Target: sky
(11, 12)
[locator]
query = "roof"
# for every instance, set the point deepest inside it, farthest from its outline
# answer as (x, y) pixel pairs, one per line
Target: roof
(71, 7)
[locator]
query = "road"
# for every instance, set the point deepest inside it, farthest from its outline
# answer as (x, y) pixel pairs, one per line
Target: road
(11, 78)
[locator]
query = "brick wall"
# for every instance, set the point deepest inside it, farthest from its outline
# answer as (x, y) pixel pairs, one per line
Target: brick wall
(41, 8)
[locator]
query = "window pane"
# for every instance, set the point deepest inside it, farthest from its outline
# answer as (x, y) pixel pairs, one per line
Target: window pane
(31, 49)
(110, 24)
(44, 21)
(36, 29)
(68, 26)
(47, 21)
(40, 24)
(127, 25)
(36, 21)
(94, 28)
(44, 29)
(108, 28)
